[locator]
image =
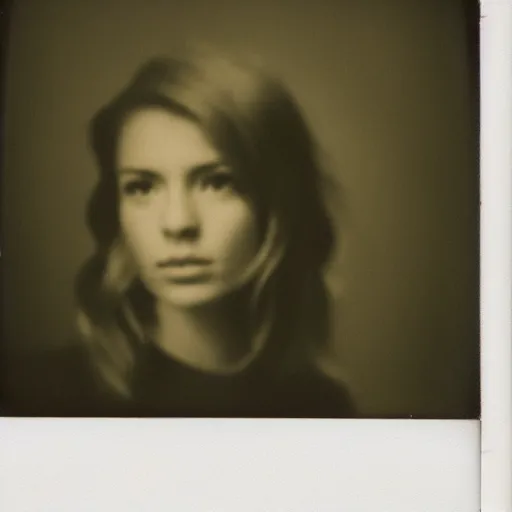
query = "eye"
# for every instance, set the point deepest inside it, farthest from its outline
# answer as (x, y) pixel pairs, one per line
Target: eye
(137, 187)
(218, 181)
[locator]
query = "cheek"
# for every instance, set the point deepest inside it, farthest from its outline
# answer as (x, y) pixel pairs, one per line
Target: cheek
(234, 235)
(138, 228)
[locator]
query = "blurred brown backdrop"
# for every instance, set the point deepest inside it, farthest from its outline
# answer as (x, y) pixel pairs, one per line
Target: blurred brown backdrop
(386, 88)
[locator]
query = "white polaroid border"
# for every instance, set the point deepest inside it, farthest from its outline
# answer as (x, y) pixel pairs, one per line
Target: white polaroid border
(239, 465)
(305, 465)
(496, 253)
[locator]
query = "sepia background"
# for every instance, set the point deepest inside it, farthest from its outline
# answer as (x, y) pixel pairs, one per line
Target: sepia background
(389, 90)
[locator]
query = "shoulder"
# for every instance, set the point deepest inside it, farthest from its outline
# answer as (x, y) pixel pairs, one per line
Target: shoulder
(310, 392)
(47, 382)
(326, 395)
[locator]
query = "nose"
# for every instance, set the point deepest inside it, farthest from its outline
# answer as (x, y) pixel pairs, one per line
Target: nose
(179, 218)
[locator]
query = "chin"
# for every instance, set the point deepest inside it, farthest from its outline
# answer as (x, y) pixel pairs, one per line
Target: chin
(190, 295)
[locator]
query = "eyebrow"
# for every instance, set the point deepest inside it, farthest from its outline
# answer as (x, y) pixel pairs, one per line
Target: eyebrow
(194, 172)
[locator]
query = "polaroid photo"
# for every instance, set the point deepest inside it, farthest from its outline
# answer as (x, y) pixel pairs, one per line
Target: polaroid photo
(246, 250)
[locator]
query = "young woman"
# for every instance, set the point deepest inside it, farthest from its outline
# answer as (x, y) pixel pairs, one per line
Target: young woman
(205, 296)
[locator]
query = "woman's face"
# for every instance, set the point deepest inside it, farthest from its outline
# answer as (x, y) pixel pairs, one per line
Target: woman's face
(190, 228)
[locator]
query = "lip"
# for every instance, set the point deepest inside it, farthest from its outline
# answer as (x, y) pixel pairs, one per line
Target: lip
(188, 261)
(186, 270)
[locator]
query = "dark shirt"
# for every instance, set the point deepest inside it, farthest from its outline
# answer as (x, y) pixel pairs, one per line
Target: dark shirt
(62, 383)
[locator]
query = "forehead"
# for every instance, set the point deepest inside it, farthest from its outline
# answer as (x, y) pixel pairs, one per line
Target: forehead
(155, 138)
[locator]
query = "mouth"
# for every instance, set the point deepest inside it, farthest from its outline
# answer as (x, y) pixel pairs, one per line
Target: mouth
(189, 261)
(186, 270)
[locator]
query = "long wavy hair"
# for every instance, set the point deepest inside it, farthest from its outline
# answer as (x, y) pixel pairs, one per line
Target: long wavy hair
(258, 127)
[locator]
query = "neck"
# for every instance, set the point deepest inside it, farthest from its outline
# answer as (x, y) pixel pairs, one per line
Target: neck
(212, 337)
